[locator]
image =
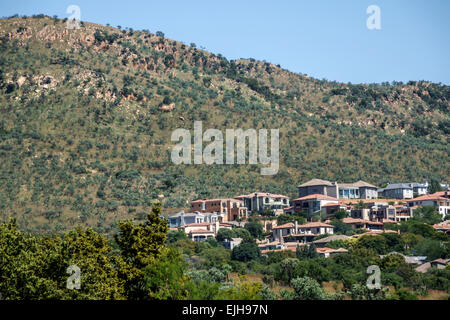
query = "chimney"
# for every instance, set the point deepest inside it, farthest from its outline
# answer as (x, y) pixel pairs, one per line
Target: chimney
(296, 226)
(182, 218)
(217, 227)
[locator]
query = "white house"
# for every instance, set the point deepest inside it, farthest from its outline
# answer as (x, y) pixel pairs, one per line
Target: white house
(397, 191)
(437, 200)
(303, 232)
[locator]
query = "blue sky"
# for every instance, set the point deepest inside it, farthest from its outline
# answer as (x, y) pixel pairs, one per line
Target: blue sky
(326, 39)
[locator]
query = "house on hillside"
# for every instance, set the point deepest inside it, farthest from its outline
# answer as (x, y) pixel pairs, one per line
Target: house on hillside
(204, 230)
(329, 209)
(399, 212)
(439, 200)
(364, 224)
(313, 203)
(438, 263)
(233, 242)
(443, 226)
(318, 186)
(302, 233)
(261, 201)
(420, 188)
(328, 252)
(397, 191)
(181, 218)
(408, 259)
(357, 190)
(231, 209)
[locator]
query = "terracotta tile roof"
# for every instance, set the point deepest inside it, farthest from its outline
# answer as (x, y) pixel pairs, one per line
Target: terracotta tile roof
(354, 220)
(198, 224)
(331, 204)
(389, 221)
(441, 261)
(200, 231)
(427, 197)
(332, 238)
(442, 226)
(261, 194)
(284, 226)
(361, 183)
(330, 250)
(217, 199)
(316, 196)
(301, 235)
(423, 268)
(293, 249)
(442, 193)
(354, 201)
(373, 233)
(274, 243)
(293, 244)
(316, 182)
(315, 225)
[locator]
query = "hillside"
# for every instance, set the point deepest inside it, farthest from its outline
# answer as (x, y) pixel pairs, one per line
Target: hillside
(87, 115)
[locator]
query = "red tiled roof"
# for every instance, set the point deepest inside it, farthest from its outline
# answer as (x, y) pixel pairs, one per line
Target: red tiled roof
(330, 250)
(442, 226)
(274, 243)
(261, 194)
(200, 231)
(425, 197)
(284, 226)
(293, 249)
(217, 199)
(316, 196)
(198, 224)
(301, 235)
(355, 201)
(331, 204)
(389, 221)
(373, 233)
(353, 220)
(442, 193)
(441, 261)
(315, 225)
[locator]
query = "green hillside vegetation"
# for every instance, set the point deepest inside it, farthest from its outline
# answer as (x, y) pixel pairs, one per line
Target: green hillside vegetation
(143, 262)
(87, 116)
